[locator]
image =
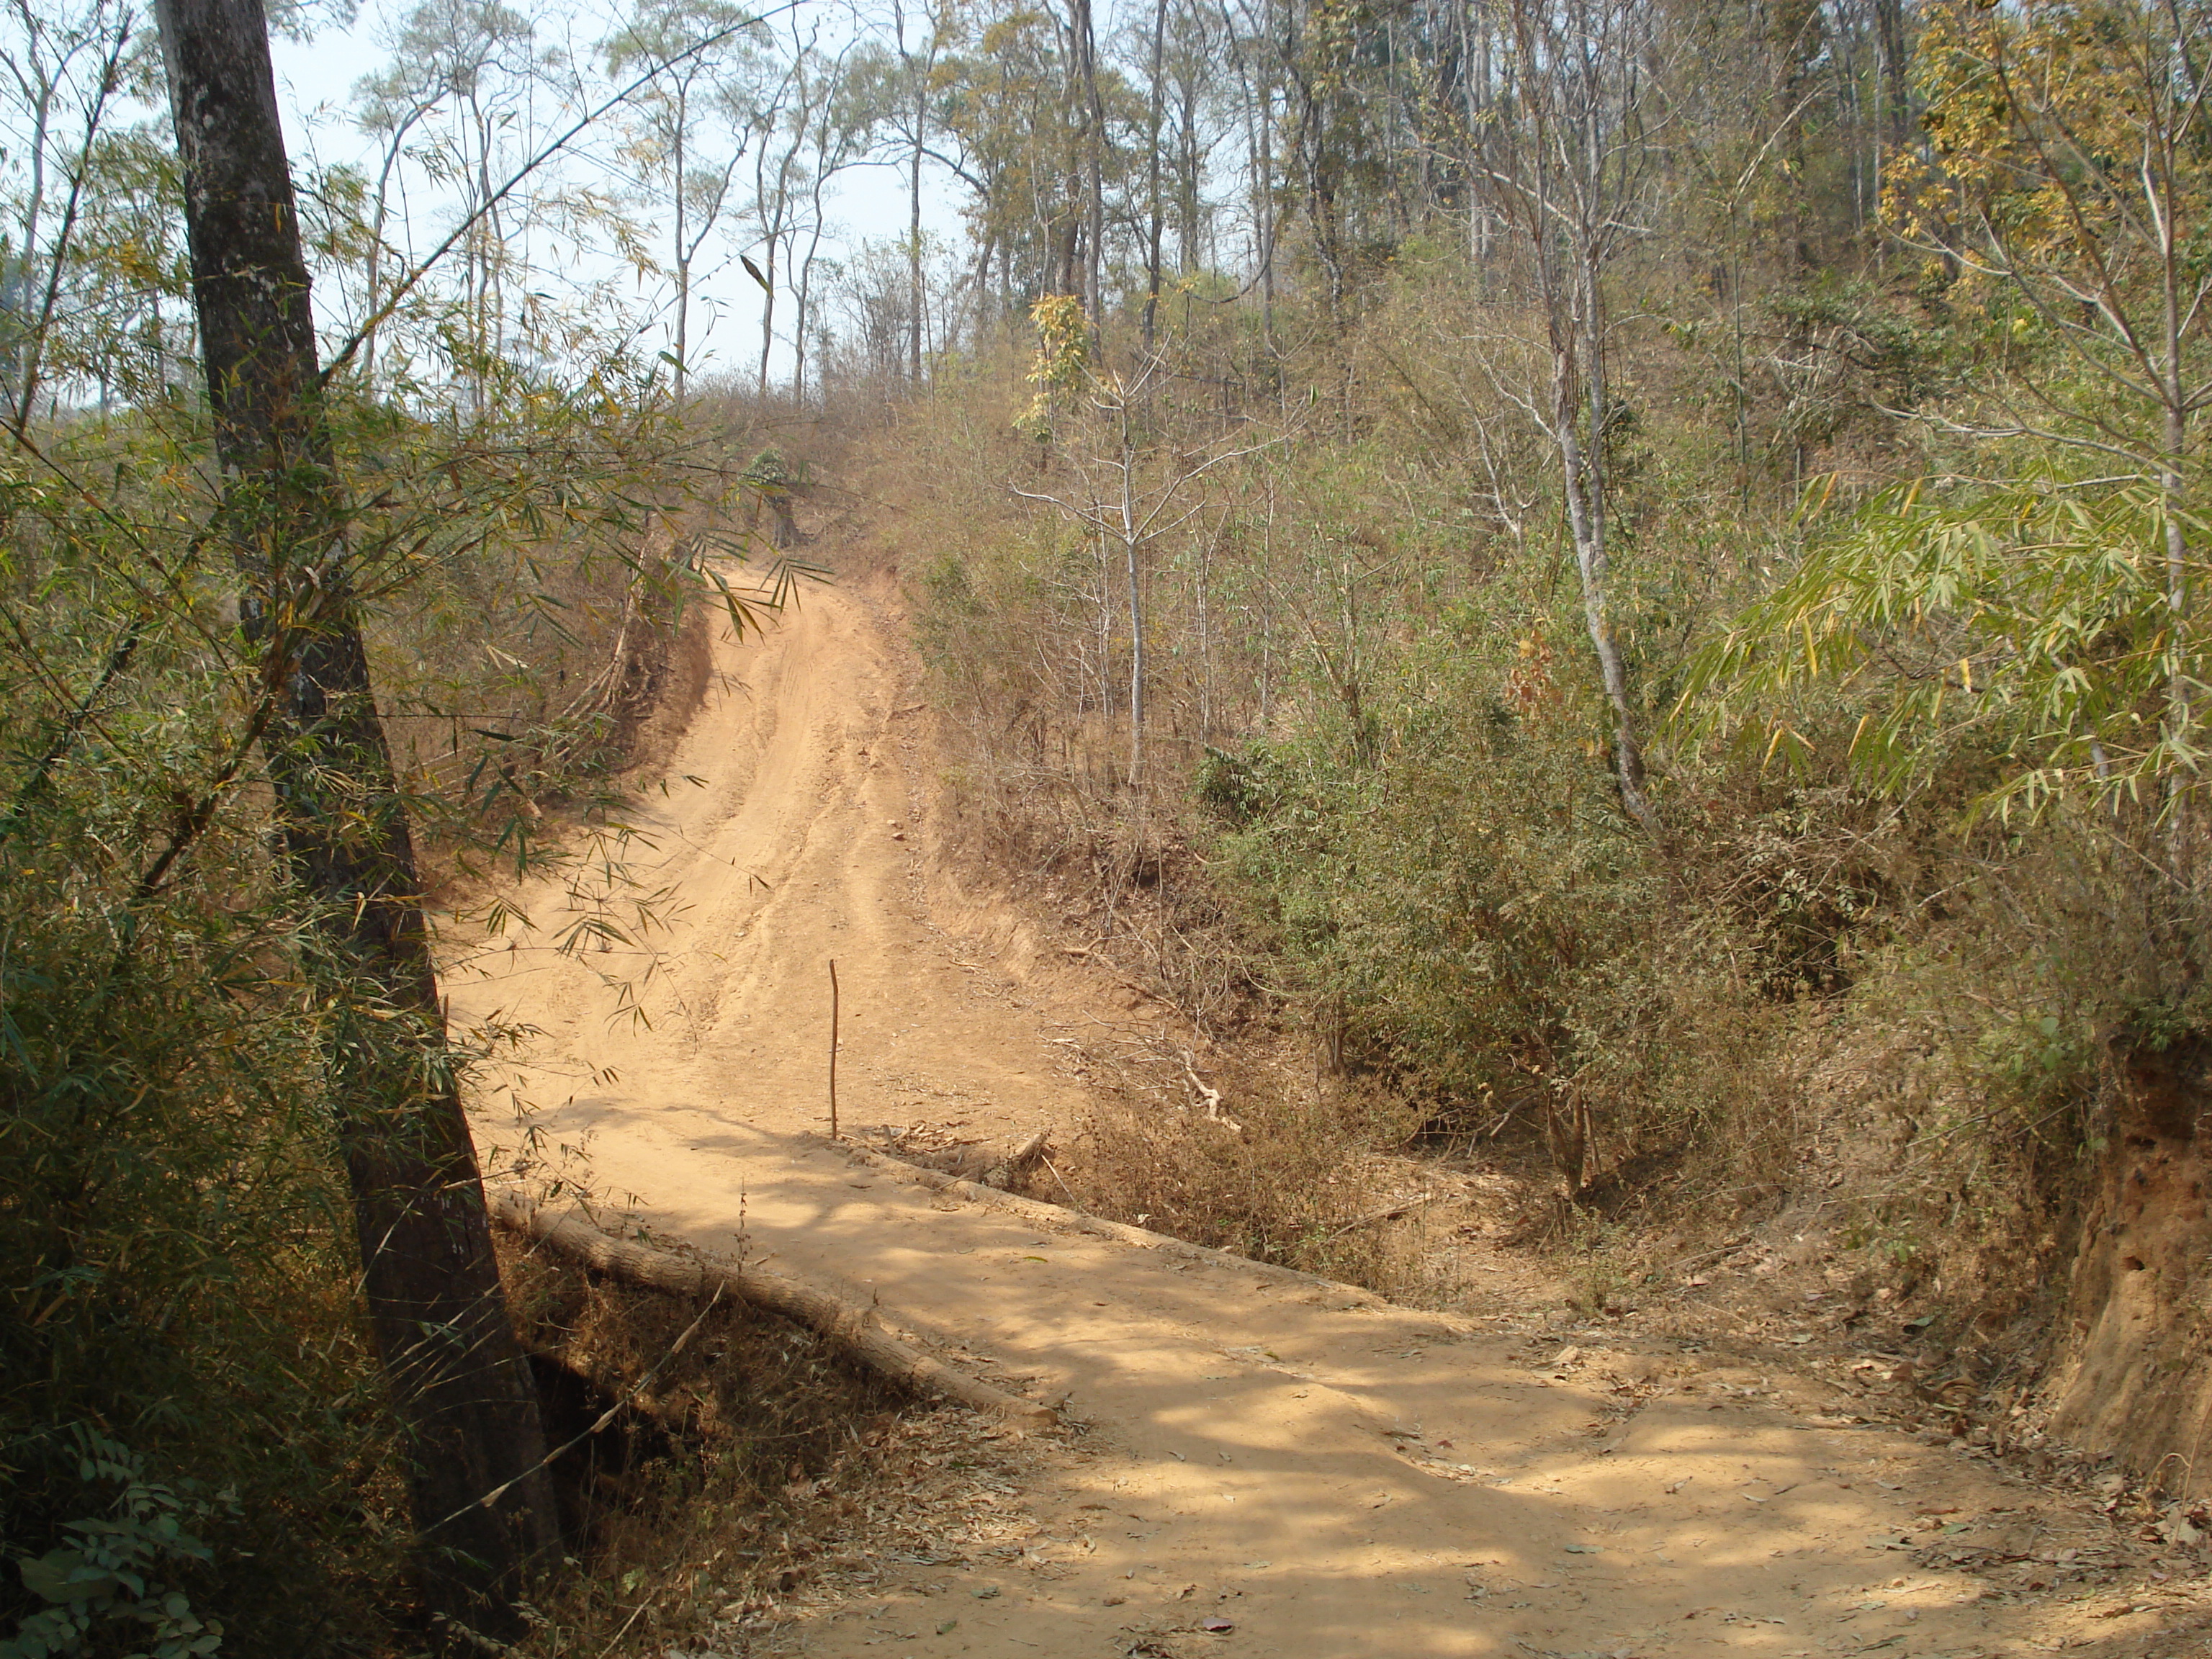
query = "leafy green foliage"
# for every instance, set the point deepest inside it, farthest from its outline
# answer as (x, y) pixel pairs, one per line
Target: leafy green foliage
(108, 1577)
(1445, 897)
(2031, 619)
(175, 1276)
(1460, 899)
(177, 1266)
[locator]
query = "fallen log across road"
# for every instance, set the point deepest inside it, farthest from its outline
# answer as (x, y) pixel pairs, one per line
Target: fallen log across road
(853, 1330)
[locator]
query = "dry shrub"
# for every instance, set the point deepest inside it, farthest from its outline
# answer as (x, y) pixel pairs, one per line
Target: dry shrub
(1281, 1174)
(1968, 1082)
(1373, 805)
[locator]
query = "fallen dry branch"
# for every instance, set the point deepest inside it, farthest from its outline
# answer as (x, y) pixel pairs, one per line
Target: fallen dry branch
(1392, 1213)
(1208, 1095)
(855, 1331)
(980, 1161)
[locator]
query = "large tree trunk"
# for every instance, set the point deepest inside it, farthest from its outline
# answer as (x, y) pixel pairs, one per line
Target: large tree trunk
(472, 1441)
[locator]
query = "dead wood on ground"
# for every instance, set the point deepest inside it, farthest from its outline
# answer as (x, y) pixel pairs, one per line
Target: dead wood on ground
(853, 1330)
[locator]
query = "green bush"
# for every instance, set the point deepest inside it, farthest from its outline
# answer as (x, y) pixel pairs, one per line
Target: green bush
(107, 1578)
(177, 1311)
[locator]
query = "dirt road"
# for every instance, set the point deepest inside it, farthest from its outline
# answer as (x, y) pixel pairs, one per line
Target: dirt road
(1268, 1465)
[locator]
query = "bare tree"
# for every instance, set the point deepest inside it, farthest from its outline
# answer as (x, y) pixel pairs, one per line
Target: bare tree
(1155, 210)
(836, 137)
(1083, 43)
(910, 121)
(1252, 54)
(475, 63)
(1133, 484)
(785, 109)
(691, 126)
(61, 77)
(1569, 177)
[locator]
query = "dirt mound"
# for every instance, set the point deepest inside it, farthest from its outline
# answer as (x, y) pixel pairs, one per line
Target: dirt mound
(2137, 1384)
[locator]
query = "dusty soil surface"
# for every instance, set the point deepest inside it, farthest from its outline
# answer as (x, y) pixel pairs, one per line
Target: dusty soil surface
(1255, 1463)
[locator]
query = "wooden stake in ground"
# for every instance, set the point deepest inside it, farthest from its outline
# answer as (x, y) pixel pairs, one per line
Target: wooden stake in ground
(832, 1047)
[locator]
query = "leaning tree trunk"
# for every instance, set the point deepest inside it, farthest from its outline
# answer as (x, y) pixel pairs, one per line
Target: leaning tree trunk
(472, 1440)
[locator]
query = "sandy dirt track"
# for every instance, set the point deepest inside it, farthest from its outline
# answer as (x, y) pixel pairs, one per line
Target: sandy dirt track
(1322, 1473)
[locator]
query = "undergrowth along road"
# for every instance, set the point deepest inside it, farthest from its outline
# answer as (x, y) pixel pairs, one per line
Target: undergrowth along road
(1255, 1462)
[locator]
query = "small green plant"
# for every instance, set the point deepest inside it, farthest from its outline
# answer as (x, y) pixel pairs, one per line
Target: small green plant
(1063, 362)
(1597, 1279)
(110, 1586)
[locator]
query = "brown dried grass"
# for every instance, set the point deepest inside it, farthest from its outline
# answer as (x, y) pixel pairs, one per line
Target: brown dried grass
(1279, 1168)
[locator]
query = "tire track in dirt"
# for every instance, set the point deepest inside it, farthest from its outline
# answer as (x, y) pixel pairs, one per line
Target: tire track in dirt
(1319, 1472)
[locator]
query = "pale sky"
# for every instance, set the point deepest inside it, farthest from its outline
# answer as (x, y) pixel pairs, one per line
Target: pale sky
(315, 84)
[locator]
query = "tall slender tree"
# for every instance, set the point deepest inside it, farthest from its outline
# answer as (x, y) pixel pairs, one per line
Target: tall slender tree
(61, 77)
(690, 128)
(1083, 44)
(472, 1439)
(1155, 210)
(837, 134)
(1569, 177)
(474, 68)
(912, 121)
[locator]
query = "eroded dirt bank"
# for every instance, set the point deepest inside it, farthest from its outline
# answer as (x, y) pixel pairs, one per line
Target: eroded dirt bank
(1255, 1463)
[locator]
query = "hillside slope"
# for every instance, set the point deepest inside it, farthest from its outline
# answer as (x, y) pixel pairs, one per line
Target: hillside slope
(1258, 1462)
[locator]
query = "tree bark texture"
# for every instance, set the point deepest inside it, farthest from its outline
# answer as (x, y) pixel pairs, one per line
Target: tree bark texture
(472, 1441)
